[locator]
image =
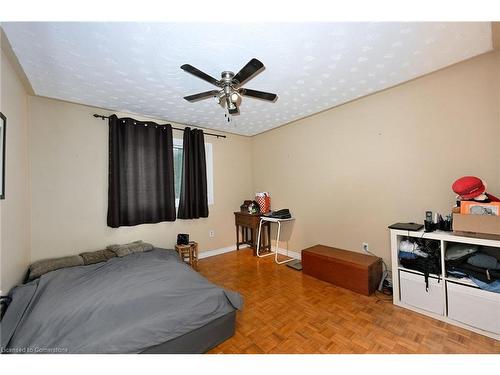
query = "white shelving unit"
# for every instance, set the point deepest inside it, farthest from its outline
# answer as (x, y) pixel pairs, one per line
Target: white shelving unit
(456, 301)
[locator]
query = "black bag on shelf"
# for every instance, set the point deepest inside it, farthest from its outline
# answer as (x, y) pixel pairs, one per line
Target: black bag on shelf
(429, 265)
(483, 274)
(424, 265)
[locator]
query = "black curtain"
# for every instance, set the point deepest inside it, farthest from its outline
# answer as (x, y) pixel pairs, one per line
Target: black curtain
(193, 202)
(141, 173)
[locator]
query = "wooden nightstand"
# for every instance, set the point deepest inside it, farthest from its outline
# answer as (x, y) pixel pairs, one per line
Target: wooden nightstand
(189, 253)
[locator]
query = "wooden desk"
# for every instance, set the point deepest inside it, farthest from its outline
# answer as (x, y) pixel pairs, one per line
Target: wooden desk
(249, 225)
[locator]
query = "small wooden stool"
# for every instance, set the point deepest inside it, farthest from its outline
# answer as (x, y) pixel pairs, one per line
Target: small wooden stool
(188, 253)
(194, 254)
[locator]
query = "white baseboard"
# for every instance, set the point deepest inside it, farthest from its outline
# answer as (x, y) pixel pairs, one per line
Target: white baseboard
(291, 254)
(223, 250)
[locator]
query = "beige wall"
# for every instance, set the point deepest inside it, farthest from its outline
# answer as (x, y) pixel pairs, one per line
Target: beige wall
(346, 173)
(69, 169)
(349, 172)
(15, 228)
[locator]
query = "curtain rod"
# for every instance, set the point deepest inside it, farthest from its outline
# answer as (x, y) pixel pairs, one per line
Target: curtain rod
(211, 134)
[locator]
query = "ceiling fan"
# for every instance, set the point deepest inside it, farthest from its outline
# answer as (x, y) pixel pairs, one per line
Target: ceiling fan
(230, 91)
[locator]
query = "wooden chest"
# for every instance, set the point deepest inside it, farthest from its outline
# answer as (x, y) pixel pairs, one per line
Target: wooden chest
(355, 271)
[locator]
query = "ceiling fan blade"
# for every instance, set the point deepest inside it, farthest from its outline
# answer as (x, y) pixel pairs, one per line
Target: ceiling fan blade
(201, 95)
(258, 94)
(198, 73)
(249, 70)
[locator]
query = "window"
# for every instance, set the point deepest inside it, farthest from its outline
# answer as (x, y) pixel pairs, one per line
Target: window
(178, 171)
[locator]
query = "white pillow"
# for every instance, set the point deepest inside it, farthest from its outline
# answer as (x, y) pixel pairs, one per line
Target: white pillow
(459, 250)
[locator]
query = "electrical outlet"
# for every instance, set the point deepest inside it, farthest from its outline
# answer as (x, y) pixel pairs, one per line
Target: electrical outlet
(211, 233)
(365, 247)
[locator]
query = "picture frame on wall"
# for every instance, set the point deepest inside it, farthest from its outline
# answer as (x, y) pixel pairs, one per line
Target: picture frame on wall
(3, 127)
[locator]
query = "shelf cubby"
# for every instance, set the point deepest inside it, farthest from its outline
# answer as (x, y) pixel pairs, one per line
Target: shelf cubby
(454, 300)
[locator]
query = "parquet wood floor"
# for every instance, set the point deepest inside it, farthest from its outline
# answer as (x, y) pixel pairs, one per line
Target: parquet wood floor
(288, 312)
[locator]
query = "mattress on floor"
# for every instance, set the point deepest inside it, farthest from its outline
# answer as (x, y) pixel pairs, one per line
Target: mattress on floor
(124, 305)
(200, 340)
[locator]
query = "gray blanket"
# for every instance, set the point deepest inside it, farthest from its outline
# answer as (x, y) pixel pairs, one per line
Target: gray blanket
(124, 305)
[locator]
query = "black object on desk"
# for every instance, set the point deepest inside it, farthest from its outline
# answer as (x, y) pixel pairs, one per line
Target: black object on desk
(280, 214)
(406, 226)
(183, 239)
(429, 226)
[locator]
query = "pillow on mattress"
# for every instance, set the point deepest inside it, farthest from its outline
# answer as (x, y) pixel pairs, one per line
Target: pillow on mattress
(92, 257)
(129, 248)
(43, 266)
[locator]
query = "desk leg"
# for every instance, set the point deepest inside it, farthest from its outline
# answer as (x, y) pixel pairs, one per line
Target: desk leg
(269, 237)
(252, 236)
(237, 238)
(258, 243)
(277, 246)
(194, 249)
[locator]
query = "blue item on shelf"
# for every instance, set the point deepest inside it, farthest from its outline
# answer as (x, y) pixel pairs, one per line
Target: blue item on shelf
(457, 274)
(407, 255)
(484, 261)
(491, 287)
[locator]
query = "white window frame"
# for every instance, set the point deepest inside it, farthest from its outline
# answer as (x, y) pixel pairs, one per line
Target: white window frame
(210, 170)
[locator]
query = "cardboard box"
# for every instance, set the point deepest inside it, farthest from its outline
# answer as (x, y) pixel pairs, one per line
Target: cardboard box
(476, 224)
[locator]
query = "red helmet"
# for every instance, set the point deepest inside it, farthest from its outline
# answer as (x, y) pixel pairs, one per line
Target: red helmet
(469, 187)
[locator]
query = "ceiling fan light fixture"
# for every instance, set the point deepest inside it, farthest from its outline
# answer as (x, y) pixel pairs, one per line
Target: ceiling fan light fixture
(232, 110)
(220, 98)
(235, 97)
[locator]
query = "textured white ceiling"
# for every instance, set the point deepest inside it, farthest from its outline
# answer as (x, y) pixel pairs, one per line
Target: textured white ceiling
(135, 67)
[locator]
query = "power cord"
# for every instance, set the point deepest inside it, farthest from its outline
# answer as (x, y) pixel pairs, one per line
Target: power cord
(386, 277)
(375, 255)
